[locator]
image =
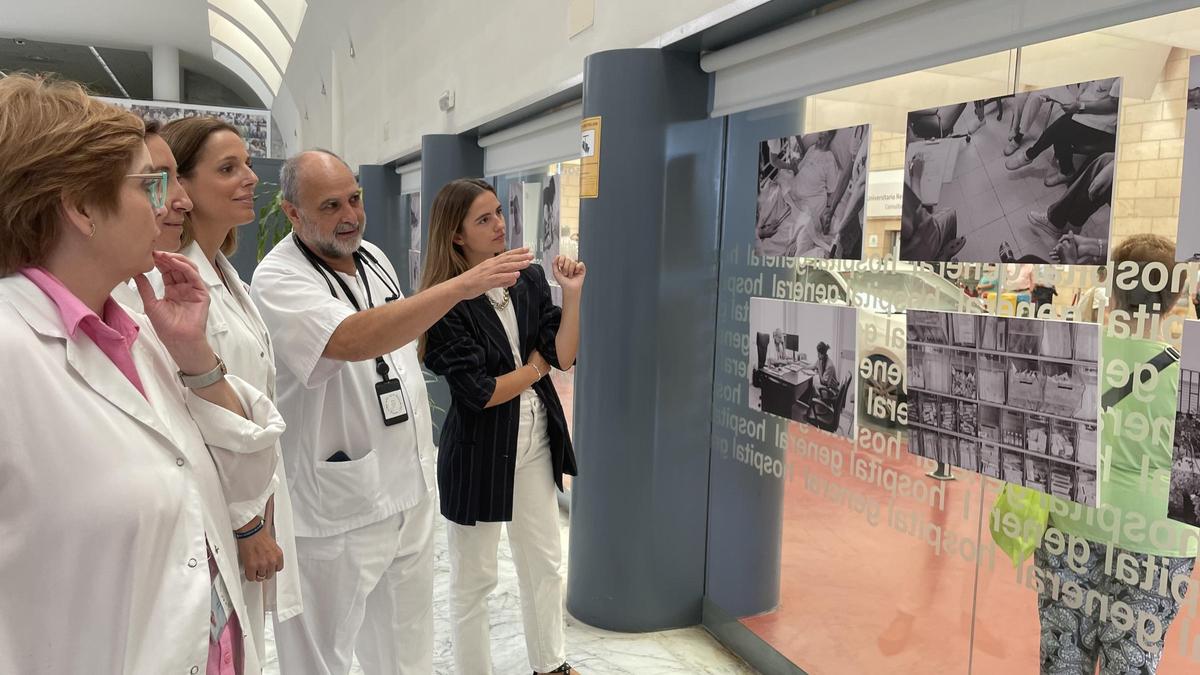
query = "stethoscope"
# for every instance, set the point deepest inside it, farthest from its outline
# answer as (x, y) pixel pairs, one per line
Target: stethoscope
(363, 259)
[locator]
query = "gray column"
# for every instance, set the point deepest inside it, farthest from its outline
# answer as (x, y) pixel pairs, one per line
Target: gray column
(381, 191)
(165, 72)
(444, 157)
(643, 388)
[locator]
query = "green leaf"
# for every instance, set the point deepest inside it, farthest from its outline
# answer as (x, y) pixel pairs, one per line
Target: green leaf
(273, 224)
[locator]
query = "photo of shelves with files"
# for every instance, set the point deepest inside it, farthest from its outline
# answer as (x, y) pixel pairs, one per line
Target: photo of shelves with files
(1014, 399)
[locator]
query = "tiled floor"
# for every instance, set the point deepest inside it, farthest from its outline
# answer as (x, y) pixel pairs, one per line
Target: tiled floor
(846, 585)
(596, 652)
(993, 203)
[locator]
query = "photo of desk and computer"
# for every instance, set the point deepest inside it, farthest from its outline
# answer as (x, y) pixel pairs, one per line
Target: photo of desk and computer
(802, 363)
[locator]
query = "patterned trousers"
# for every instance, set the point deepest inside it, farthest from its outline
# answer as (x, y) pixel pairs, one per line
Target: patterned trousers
(1074, 640)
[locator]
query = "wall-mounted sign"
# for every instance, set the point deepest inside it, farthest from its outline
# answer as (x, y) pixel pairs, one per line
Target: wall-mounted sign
(885, 199)
(589, 154)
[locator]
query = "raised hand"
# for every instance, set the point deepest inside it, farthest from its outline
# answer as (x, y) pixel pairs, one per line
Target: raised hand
(181, 315)
(500, 271)
(569, 274)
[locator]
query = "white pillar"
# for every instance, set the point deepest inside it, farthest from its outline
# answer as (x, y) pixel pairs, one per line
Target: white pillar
(165, 66)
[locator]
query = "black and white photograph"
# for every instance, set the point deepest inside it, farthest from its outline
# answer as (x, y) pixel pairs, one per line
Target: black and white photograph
(253, 125)
(811, 194)
(1025, 178)
(516, 216)
(412, 203)
(531, 205)
(548, 234)
(1184, 502)
(802, 363)
(1014, 399)
(414, 271)
(1188, 241)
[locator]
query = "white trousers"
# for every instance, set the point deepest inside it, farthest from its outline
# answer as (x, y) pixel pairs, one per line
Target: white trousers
(537, 554)
(367, 593)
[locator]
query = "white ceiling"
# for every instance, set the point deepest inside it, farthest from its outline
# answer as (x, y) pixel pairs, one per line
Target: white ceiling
(127, 24)
(132, 24)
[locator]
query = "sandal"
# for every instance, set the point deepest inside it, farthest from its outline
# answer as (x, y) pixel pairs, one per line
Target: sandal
(565, 668)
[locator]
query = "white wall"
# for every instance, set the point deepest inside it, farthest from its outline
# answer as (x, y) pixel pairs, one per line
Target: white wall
(497, 56)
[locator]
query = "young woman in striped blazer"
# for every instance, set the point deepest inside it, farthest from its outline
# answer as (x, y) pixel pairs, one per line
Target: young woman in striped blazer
(504, 445)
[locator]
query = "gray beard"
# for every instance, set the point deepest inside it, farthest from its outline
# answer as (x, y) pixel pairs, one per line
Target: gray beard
(330, 248)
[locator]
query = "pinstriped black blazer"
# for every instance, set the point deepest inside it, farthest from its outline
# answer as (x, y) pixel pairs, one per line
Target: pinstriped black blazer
(477, 450)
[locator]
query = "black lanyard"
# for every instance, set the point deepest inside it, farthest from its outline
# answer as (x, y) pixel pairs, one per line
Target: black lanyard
(326, 271)
(392, 285)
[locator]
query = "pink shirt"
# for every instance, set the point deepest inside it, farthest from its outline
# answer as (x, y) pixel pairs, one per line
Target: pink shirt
(1022, 282)
(114, 334)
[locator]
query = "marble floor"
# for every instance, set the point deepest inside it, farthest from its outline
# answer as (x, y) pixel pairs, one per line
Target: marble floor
(594, 651)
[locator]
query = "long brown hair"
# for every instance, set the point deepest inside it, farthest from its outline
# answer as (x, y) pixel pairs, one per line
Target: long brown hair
(186, 138)
(445, 259)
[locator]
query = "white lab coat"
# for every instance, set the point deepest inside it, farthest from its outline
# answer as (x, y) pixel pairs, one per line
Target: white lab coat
(109, 501)
(127, 294)
(237, 332)
(332, 405)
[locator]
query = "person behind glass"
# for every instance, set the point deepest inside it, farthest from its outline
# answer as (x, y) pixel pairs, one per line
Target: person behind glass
(505, 444)
(110, 499)
(216, 171)
(1134, 481)
(177, 206)
(360, 452)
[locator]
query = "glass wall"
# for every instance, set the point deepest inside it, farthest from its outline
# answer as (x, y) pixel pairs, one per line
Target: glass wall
(541, 208)
(952, 525)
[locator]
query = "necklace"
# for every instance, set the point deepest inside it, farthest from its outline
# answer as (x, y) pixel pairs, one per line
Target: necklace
(499, 305)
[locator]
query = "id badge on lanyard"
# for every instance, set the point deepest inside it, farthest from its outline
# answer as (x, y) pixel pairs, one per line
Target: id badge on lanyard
(392, 404)
(391, 401)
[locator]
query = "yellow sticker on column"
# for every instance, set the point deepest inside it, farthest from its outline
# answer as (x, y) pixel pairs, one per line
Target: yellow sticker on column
(589, 158)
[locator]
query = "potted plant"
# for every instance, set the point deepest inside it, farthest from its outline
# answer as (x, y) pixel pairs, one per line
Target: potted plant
(273, 223)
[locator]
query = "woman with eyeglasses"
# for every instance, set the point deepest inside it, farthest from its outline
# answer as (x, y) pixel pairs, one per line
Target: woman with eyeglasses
(216, 170)
(176, 206)
(117, 552)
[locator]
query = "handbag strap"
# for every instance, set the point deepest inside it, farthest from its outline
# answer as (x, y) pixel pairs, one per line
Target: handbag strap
(1161, 362)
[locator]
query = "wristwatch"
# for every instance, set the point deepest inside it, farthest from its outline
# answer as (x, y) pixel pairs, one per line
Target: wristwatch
(204, 379)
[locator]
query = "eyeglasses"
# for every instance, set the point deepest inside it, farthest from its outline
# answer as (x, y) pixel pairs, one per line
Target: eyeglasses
(156, 187)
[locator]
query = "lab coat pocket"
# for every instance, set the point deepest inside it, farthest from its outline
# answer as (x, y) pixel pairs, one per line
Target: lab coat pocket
(349, 488)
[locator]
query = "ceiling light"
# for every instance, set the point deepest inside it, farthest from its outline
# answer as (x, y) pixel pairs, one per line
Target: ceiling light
(257, 37)
(236, 64)
(259, 25)
(236, 40)
(289, 14)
